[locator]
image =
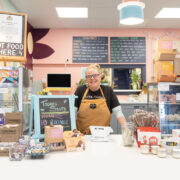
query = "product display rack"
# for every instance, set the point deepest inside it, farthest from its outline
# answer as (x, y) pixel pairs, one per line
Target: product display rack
(164, 99)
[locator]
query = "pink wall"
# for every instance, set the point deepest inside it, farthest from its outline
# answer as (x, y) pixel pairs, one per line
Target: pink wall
(61, 41)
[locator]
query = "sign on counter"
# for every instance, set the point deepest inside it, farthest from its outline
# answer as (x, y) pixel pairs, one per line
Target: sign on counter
(90, 49)
(58, 110)
(128, 49)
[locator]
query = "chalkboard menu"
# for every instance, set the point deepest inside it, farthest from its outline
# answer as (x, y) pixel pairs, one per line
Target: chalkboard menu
(13, 36)
(128, 49)
(90, 49)
(55, 111)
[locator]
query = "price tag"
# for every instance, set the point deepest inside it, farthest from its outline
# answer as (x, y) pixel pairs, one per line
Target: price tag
(100, 131)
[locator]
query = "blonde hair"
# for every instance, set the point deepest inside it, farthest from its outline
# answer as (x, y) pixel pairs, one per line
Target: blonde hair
(96, 67)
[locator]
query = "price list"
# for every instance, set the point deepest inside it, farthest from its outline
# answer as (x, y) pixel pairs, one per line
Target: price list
(90, 49)
(128, 49)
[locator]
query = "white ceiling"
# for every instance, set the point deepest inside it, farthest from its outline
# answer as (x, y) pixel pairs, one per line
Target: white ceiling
(101, 13)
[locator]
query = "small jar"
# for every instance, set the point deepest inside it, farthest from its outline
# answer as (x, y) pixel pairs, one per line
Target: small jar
(176, 153)
(162, 153)
(144, 149)
(16, 152)
(154, 149)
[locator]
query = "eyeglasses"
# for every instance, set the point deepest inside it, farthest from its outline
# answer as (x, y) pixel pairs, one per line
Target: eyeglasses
(93, 75)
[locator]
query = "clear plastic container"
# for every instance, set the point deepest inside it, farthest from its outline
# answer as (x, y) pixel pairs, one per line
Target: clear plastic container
(144, 149)
(16, 152)
(162, 152)
(154, 149)
(176, 153)
(128, 134)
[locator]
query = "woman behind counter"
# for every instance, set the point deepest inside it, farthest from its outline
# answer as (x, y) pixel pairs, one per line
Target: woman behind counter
(96, 102)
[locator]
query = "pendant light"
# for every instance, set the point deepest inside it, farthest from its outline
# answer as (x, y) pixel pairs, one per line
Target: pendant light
(131, 12)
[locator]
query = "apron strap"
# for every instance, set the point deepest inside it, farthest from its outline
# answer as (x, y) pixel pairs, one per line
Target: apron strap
(88, 90)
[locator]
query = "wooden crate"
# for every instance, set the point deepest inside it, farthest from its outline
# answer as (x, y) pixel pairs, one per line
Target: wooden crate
(13, 118)
(10, 132)
(4, 151)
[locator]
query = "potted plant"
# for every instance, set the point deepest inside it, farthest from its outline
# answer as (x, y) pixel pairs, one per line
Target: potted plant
(135, 77)
(104, 82)
(144, 88)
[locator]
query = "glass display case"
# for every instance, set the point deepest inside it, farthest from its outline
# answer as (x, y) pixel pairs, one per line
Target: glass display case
(10, 89)
(15, 92)
(164, 99)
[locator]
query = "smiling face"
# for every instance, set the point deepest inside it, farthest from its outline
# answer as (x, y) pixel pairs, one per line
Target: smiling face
(93, 79)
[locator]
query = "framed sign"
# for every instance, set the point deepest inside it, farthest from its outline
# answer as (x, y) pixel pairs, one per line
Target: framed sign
(58, 110)
(13, 29)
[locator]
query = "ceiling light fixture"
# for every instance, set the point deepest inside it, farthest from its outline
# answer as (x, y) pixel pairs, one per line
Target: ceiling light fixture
(72, 12)
(169, 13)
(131, 12)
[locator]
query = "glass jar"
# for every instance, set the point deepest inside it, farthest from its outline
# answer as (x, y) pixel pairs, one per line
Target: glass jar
(176, 153)
(144, 149)
(154, 149)
(16, 152)
(162, 152)
(127, 134)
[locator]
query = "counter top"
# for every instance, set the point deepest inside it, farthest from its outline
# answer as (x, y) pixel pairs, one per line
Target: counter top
(100, 161)
(131, 102)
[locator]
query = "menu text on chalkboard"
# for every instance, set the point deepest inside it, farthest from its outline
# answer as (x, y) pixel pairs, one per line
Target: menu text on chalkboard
(55, 111)
(128, 50)
(90, 49)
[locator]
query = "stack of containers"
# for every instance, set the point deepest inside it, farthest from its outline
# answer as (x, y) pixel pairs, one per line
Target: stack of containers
(164, 61)
(11, 131)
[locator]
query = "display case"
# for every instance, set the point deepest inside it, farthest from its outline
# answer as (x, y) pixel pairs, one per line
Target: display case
(164, 99)
(15, 92)
(10, 89)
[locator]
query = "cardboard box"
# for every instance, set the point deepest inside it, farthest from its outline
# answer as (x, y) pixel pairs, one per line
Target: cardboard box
(166, 77)
(53, 134)
(13, 118)
(177, 66)
(74, 141)
(164, 71)
(164, 67)
(165, 56)
(164, 46)
(10, 132)
(54, 137)
(148, 135)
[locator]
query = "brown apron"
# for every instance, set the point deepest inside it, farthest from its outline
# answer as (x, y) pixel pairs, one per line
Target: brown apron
(88, 116)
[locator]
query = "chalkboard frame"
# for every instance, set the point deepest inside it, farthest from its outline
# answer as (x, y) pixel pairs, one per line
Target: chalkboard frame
(24, 35)
(35, 113)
